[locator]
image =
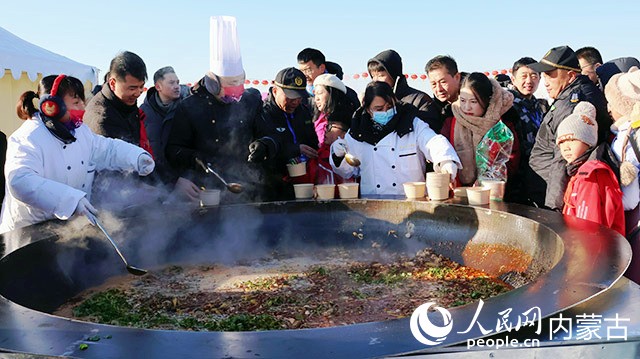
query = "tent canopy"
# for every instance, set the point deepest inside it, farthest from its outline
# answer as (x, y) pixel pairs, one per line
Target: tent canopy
(19, 55)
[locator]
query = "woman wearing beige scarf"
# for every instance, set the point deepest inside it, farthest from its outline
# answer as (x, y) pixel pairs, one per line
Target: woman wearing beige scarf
(481, 104)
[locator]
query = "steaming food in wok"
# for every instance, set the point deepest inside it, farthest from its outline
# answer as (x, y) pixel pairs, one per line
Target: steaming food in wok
(322, 290)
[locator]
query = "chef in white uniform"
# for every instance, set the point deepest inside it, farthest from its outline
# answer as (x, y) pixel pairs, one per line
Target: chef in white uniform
(392, 144)
(52, 160)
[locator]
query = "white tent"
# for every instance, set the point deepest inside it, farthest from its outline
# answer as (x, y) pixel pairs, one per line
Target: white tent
(22, 65)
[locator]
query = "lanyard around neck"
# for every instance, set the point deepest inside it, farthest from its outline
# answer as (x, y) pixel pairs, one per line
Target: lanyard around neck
(293, 133)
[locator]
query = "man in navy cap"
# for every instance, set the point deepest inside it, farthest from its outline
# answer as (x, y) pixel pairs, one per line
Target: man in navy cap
(287, 112)
(566, 87)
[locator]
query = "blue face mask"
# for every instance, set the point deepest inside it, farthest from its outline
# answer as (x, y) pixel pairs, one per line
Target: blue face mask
(383, 117)
(310, 89)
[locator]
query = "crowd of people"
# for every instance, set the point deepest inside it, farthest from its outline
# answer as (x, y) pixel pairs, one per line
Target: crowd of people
(577, 153)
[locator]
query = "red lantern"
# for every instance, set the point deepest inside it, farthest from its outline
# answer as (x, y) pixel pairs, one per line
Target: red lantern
(247, 82)
(423, 77)
(494, 72)
(365, 74)
(406, 76)
(144, 89)
(189, 84)
(265, 82)
(255, 82)
(356, 76)
(414, 76)
(486, 73)
(504, 72)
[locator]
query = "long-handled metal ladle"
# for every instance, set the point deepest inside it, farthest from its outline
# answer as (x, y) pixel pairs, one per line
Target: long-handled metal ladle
(131, 269)
(232, 187)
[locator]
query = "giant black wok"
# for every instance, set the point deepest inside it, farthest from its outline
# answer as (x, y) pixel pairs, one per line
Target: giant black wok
(572, 261)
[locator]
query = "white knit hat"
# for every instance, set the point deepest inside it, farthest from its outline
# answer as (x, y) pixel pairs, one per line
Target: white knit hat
(330, 81)
(580, 125)
(623, 90)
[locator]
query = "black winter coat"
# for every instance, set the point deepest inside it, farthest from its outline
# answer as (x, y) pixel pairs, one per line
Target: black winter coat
(219, 133)
(289, 135)
(108, 116)
(392, 62)
(289, 142)
(436, 114)
(549, 180)
(158, 121)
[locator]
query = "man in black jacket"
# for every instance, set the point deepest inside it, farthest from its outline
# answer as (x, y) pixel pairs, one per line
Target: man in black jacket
(313, 64)
(159, 108)
(113, 112)
(228, 134)
(445, 80)
(290, 118)
(567, 87)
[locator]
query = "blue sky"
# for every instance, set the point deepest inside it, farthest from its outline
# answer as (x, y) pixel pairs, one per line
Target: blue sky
(480, 35)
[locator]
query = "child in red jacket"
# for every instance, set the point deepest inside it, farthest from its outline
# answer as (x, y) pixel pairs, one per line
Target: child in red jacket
(593, 192)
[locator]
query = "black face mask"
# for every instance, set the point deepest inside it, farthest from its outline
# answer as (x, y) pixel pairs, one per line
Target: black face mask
(572, 168)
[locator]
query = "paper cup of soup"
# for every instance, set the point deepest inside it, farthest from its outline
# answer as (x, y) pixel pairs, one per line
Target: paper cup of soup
(414, 189)
(326, 191)
(348, 190)
(209, 197)
(478, 195)
(297, 169)
(460, 192)
(303, 190)
(496, 188)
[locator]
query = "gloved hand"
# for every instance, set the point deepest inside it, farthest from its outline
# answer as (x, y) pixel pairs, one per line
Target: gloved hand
(257, 151)
(187, 189)
(339, 147)
(145, 164)
(449, 167)
(84, 208)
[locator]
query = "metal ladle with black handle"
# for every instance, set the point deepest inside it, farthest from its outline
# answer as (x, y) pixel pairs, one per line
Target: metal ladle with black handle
(351, 159)
(131, 269)
(232, 187)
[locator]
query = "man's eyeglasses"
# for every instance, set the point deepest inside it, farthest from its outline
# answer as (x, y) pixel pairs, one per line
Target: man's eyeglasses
(307, 71)
(331, 126)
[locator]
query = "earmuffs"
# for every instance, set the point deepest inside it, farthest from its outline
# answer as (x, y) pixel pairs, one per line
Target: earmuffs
(52, 105)
(212, 83)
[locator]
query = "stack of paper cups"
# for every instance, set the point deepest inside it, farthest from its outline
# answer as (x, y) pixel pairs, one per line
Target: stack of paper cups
(438, 186)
